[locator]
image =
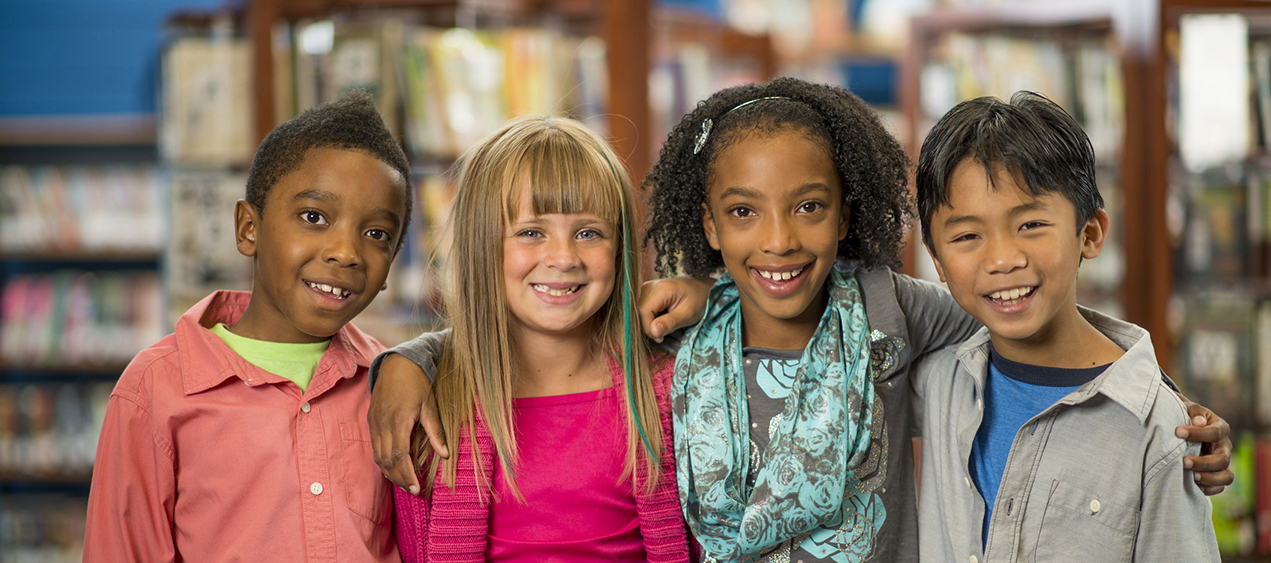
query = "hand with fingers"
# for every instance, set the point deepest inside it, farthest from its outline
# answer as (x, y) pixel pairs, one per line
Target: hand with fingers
(401, 400)
(1212, 469)
(672, 303)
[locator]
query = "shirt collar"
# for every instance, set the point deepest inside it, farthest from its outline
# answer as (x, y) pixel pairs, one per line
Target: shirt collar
(206, 361)
(1132, 381)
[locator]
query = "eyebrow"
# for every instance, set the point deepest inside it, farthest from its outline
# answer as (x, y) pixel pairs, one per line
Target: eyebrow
(320, 195)
(756, 193)
(1034, 205)
(329, 197)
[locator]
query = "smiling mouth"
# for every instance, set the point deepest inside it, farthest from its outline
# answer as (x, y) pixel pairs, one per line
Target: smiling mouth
(332, 291)
(780, 276)
(555, 292)
(1011, 296)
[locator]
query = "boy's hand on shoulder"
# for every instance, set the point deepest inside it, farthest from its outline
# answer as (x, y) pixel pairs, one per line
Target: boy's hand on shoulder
(402, 398)
(672, 303)
(1212, 469)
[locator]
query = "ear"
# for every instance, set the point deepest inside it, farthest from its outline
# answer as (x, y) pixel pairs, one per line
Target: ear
(845, 220)
(246, 220)
(708, 224)
(1094, 234)
(936, 261)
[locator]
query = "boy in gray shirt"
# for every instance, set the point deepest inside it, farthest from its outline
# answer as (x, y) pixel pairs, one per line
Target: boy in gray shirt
(1049, 434)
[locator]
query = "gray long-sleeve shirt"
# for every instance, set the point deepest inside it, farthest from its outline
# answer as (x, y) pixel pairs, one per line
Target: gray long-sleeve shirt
(1098, 476)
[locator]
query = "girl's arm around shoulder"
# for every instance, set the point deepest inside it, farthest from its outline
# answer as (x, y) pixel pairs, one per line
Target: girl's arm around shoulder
(401, 398)
(933, 318)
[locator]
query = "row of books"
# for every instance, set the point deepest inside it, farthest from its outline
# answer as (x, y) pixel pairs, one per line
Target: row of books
(1222, 221)
(80, 208)
(441, 89)
(43, 528)
(1223, 355)
(1079, 72)
(79, 319)
(50, 430)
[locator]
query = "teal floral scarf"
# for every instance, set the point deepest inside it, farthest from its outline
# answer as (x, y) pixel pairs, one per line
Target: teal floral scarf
(807, 472)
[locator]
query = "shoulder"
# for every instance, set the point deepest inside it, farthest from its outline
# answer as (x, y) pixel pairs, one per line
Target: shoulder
(362, 342)
(157, 365)
(939, 365)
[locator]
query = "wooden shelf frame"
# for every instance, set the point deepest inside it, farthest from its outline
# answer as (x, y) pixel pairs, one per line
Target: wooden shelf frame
(1145, 289)
(624, 25)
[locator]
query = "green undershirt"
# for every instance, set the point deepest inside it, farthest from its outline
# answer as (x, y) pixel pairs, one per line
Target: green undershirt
(296, 362)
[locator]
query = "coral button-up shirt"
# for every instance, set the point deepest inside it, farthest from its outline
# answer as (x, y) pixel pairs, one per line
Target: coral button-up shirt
(206, 457)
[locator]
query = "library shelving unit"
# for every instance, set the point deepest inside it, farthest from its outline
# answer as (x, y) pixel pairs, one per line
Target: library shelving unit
(1070, 53)
(1211, 241)
(75, 308)
(625, 27)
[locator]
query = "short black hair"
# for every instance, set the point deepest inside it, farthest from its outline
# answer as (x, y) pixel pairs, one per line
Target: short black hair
(350, 122)
(871, 164)
(1031, 138)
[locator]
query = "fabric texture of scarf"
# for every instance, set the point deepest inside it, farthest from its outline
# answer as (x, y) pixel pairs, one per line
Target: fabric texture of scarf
(807, 473)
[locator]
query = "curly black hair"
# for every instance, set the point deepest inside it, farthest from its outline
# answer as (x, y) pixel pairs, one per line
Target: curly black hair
(872, 167)
(350, 122)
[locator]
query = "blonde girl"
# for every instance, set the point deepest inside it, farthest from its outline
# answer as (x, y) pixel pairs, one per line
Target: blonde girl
(558, 421)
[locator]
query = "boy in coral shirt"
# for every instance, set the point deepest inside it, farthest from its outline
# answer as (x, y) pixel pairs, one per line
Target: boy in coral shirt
(243, 436)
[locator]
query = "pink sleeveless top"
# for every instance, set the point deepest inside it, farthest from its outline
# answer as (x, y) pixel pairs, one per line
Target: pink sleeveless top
(573, 448)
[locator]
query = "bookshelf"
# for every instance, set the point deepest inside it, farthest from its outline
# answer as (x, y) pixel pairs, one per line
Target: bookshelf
(1070, 53)
(80, 224)
(1210, 206)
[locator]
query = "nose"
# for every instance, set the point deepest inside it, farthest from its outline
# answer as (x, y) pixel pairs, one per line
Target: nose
(778, 235)
(1003, 256)
(344, 248)
(562, 254)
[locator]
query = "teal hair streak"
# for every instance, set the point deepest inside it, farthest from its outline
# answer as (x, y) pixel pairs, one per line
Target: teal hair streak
(629, 268)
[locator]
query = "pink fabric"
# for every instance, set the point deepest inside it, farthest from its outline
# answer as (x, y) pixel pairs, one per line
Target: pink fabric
(572, 447)
(453, 524)
(205, 457)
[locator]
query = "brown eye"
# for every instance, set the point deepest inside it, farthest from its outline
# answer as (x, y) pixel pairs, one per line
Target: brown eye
(313, 217)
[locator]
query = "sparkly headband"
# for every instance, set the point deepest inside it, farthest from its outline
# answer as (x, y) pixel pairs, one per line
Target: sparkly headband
(707, 124)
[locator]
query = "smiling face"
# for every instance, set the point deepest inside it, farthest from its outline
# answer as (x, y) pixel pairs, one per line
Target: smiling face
(1010, 258)
(558, 269)
(322, 245)
(775, 212)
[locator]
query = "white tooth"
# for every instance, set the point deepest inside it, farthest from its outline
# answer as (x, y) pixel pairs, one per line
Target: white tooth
(995, 295)
(1025, 291)
(1014, 294)
(766, 274)
(324, 287)
(786, 275)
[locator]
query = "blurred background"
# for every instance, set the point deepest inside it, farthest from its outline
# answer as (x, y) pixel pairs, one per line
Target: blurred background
(126, 129)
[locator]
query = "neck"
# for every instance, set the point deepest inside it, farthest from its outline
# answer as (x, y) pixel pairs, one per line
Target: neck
(1070, 343)
(550, 365)
(760, 330)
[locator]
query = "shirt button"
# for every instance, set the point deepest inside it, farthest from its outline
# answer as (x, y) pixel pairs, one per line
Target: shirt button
(1095, 506)
(889, 385)
(316, 488)
(305, 407)
(975, 559)
(747, 362)
(968, 482)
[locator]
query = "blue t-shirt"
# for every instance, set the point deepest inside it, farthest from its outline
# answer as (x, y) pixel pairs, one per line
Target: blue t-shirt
(1013, 394)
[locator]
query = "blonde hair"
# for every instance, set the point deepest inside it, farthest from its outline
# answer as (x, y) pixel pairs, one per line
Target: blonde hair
(570, 170)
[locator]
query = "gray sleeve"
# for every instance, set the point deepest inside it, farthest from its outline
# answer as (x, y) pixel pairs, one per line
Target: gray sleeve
(1175, 521)
(933, 318)
(423, 350)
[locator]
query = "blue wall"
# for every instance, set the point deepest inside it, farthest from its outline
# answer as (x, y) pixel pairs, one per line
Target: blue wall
(64, 57)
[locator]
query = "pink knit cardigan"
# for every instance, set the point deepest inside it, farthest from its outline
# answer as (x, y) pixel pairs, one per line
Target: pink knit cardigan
(452, 525)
